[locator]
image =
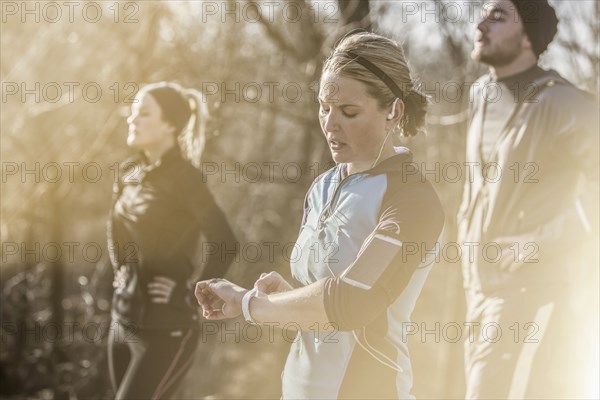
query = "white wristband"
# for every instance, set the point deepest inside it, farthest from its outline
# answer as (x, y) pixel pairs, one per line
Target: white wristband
(246, 305)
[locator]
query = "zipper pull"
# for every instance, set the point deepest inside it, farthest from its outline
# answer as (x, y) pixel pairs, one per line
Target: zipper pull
(322, 220)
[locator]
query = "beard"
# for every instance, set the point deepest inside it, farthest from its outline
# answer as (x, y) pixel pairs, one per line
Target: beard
(500, 54)
(495, 58)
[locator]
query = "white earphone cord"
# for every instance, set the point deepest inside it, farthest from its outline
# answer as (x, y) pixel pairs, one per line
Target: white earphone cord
(391, 115)
(385, 361)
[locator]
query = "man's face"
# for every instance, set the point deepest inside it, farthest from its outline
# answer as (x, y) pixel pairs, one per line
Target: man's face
(500, 37)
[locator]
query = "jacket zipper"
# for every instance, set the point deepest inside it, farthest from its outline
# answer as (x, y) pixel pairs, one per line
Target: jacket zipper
(328, 210)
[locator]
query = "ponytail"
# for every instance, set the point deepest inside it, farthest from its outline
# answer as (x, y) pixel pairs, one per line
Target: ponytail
(192, 138)
(415, 110)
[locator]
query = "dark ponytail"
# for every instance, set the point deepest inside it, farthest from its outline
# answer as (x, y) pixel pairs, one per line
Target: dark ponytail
(415, 111)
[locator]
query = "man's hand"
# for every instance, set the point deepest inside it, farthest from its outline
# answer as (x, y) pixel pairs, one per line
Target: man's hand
(161, 289)
(215, 290)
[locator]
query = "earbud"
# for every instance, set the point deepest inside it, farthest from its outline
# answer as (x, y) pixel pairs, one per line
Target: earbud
(392, 113)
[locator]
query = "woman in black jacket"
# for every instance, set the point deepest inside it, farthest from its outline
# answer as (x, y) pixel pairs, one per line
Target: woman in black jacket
(162, 212)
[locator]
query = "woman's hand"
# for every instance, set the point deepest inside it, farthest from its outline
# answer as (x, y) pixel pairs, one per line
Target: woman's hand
(161, 289)
(272, 282)
(212, 291)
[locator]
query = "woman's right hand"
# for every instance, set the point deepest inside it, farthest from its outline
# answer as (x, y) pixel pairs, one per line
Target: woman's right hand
(209, 293)
(272, 282)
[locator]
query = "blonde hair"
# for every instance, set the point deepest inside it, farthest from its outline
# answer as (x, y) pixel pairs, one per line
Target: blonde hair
(387, 56)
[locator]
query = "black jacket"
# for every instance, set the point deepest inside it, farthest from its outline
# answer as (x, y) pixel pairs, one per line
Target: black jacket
(164, 222)
(530, 207)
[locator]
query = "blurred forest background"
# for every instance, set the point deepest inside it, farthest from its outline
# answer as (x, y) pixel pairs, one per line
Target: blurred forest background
(69, 74)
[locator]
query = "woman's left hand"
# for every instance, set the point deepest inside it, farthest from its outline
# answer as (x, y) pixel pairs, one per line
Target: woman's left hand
(212, 291)
(161, 289)
(272, 282)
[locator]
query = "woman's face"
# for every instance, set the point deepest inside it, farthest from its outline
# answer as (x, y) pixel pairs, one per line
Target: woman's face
(147, 129)
(354, 125)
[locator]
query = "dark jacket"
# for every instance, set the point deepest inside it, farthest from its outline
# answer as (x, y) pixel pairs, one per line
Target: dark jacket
(159, 215)
(545, 163)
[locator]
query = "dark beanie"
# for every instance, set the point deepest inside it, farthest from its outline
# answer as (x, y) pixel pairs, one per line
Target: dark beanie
(174, 106)
(540, 22)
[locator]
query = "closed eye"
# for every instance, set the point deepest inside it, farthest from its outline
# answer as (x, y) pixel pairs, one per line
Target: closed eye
(346, 113)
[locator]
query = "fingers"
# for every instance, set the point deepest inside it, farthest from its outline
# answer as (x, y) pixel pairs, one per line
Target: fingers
(208, 293)
(213, 314)
(268, 282)
(207, 297)
(261, 283)
(160, 300)
(160, 289)
(264, 282)
(204, 294)
(165, 281)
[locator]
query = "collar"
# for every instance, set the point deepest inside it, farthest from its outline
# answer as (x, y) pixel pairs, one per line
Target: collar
(169, 157)
(393, 163)
(523, 78)
(525, 86)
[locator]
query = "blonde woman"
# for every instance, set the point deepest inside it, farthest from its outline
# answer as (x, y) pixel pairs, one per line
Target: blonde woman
(354, 264)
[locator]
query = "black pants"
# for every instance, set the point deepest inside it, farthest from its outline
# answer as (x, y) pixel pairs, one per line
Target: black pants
(148, 364)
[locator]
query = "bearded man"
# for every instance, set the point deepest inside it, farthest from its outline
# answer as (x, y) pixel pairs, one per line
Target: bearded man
(530, 201)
